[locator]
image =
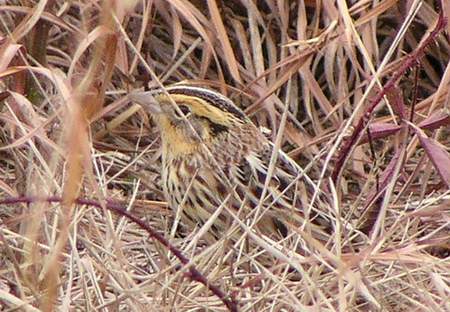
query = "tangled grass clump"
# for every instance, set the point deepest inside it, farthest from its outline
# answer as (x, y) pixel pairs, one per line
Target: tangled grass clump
(363, 86)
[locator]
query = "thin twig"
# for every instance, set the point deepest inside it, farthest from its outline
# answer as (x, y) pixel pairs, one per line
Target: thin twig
(194, 274)
(410, 61)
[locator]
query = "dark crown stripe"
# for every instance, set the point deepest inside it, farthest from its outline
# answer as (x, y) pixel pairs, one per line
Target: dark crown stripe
(213, 98)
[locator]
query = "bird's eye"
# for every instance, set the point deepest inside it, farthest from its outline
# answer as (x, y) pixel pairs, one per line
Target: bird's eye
(185, 110)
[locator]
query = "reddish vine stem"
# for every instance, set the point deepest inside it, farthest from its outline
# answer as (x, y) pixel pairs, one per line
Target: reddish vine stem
(416, 94)
(410, 61)
(194, 274)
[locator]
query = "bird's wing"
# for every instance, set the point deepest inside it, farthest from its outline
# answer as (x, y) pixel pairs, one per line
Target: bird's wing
(284, 194)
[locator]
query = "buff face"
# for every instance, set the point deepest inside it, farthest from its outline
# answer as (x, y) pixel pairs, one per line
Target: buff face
(187, 120)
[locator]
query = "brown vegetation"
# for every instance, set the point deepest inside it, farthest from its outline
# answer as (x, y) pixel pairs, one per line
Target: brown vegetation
(364, 86)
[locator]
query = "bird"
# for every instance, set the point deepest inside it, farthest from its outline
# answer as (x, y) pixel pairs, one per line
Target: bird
(219, 168)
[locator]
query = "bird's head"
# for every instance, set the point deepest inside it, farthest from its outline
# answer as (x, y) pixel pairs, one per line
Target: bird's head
(189, 116)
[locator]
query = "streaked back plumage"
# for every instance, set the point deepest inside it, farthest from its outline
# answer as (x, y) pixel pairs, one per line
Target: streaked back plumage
(225, 164)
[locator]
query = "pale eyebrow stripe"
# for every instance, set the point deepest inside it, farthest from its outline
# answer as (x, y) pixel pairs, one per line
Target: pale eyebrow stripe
(211, 97)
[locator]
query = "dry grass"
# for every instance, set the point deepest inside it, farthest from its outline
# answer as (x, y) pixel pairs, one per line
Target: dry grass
(68, 130)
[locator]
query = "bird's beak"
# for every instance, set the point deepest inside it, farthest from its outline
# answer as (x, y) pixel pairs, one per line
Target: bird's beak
(147, 101)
